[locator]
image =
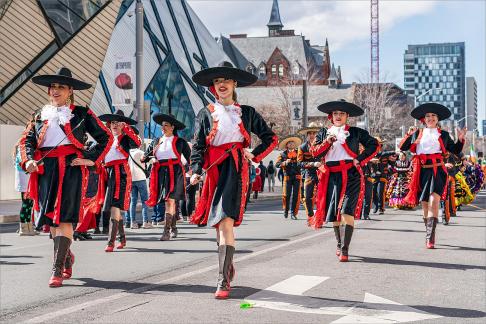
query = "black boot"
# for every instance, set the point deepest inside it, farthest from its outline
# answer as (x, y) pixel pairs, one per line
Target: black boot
(113, 230)
(286, 214)
(168, 222)
(430, 233)
(348, 233)
(61, 248)
(225, 268)
(123, 239)
(173, 227)
(337, 233)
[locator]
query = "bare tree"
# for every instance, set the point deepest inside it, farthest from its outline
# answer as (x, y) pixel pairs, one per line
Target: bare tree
(387, 109)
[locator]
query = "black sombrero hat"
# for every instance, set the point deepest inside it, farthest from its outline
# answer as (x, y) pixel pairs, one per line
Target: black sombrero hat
(224, 70)
(341, 105)
(440, 110)
(118, 116)
(291, 138)
(62, 76)
(160, 117)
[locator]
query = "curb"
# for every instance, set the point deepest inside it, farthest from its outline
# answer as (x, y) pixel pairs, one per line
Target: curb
(9, 219)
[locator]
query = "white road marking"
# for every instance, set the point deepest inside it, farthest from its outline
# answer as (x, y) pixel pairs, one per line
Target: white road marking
(395, 313)
(287, 296)
(69, 310)
(297, 285)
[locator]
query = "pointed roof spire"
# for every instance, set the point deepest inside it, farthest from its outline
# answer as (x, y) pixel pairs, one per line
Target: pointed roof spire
(333, 75)
(339, 72)
(327, 45)
(275, 20)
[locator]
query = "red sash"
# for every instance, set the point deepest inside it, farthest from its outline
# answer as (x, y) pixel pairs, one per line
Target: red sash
(414, 185)
(214, 155)
(60, 153)
(322, 187)
(104, 178)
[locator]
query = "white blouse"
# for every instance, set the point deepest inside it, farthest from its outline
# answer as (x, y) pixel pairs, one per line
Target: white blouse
(337, 151)
(229, 118)
(55, 116)
(114, 154)
(429, 143)
(165, 151)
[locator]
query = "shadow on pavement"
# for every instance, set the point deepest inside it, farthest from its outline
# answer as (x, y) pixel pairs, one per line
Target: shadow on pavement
(129, 249)
(439, 265)
(456, 247)
(390, 229)
(237, 292)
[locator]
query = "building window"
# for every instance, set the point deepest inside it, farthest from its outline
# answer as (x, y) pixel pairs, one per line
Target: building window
(274, 69)
(262, 72)
(296, 69)
(281, 70)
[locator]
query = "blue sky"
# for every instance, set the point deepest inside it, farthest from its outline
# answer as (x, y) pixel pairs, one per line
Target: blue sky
(346, 25)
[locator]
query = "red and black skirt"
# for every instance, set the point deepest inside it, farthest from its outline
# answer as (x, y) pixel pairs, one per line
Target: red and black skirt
(167, 181)
(225, 187)
(115, 185)
(340, 191)
(429, 176)
(57, 189)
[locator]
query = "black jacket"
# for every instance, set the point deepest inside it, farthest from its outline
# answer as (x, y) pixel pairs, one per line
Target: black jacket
(128, 140)
(252, 122)
(447, 143)
(291, 169)
(84, 121)
(356, 136)
(181, 145)
(305, 161)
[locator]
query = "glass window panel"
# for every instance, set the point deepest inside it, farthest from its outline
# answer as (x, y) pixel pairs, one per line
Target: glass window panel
(274, 69)
(167, 93)
(281, 70)
(69, 16)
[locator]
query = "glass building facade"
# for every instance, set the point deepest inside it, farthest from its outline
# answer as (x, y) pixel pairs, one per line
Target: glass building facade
(176, 45)
(440, 67)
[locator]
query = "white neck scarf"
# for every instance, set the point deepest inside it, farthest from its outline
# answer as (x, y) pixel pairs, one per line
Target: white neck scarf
(59, 115)
(339, 132)
(227, 116)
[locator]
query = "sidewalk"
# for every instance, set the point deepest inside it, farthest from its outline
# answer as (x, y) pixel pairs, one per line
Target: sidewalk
(9, 209)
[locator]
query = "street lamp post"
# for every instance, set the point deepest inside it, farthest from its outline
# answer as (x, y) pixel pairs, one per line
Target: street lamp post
(139, 67)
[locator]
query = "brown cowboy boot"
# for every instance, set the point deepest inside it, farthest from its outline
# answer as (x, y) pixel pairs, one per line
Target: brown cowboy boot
(123, 239)
(226, 267)
(168, 222)
(61, 248)
(112, 235)
(337, 233)
(173, 227)
(68, 265)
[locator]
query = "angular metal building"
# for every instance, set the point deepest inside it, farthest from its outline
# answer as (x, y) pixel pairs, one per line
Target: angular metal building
(88, 36)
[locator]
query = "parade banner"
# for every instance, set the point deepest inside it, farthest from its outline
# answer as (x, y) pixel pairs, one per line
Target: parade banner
(124, 79)
(296, 112)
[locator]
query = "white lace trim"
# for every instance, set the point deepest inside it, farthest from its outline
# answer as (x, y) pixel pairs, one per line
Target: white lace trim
(60, 115)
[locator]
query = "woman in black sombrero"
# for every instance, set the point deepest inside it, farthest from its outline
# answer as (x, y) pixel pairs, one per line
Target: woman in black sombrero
(221, 139)
(115, 183)
(167, 178)
(340, 190)
(429, 178)
(52, 151)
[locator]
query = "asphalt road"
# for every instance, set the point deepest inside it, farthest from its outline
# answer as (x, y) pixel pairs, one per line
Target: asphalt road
(285, 271)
